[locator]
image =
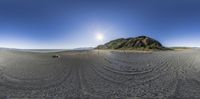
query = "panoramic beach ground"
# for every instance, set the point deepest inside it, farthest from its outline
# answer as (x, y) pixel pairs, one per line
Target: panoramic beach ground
(99, 49)
(99, 74)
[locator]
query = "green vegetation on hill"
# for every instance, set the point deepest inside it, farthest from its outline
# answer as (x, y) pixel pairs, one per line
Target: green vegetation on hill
(137, 43)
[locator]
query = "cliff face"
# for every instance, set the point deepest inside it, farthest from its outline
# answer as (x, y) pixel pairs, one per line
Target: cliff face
(140, 42)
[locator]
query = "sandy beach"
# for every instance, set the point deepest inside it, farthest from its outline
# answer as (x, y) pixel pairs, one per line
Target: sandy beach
(99, 74)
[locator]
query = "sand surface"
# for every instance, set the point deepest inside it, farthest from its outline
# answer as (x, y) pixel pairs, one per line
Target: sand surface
(102, 75)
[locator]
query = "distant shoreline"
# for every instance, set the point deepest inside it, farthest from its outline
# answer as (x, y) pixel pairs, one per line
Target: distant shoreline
(119, 50)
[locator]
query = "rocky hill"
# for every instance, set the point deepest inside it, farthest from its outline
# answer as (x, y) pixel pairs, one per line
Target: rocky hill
(137, 43)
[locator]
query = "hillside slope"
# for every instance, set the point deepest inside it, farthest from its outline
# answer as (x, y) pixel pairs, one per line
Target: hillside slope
(140, 43)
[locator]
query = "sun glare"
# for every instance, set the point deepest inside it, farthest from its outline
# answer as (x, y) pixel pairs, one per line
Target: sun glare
(99, 36)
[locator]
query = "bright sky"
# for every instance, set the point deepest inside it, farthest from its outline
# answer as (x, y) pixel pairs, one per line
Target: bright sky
(76, 23)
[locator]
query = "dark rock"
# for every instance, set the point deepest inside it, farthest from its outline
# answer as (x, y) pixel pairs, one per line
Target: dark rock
(55, 56)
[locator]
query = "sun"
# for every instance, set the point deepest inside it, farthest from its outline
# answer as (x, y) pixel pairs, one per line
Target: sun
(99, 36)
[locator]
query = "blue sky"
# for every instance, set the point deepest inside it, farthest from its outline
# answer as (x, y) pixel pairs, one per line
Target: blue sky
(75, 23)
